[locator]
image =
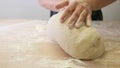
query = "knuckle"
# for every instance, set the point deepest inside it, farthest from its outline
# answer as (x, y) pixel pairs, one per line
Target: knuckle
(72, 19)
(80, 7)
(83, 15)
(81, 18)
(76, 14)
(67, 10)
(75, 2)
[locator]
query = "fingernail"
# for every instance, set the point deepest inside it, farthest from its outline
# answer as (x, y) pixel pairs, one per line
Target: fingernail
(78, 25)
(70, 26)
(61, 20)
(88, 24)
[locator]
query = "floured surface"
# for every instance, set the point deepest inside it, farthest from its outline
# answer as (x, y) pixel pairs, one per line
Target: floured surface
(24, 44)
(111, 34)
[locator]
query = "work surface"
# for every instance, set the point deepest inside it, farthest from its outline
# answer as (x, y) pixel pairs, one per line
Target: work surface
(24, 44)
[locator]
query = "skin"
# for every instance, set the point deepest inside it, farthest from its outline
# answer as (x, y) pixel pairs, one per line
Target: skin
(80, 10)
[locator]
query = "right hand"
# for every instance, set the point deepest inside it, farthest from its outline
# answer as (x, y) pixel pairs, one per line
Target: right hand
(80, 13)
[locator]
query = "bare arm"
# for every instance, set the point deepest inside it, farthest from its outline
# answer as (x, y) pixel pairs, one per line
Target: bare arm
(95, 4)
(49, 4)
(98, 4)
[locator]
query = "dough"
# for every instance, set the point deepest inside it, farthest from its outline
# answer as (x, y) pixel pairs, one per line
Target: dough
(82, 43)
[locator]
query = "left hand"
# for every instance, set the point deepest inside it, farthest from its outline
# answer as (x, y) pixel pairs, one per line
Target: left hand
(80, 12)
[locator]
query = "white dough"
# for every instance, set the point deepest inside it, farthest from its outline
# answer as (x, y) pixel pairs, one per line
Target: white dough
(82, 43)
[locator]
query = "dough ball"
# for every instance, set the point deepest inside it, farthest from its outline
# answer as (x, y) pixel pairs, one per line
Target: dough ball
(82, 43)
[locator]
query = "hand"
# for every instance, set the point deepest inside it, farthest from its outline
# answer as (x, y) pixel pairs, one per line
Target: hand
(79, 12)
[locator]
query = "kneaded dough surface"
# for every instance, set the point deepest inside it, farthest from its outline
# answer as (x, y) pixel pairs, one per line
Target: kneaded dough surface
(82, 43)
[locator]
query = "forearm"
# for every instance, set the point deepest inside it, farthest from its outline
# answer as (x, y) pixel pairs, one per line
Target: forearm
(49, 4)
(94, 4)
(98, 4)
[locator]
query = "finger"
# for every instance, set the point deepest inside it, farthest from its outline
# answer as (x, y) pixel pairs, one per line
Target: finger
(68, 11)
(62, 4)
(81, 19)
(88, 20)
(71, 25)
(75, 14)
